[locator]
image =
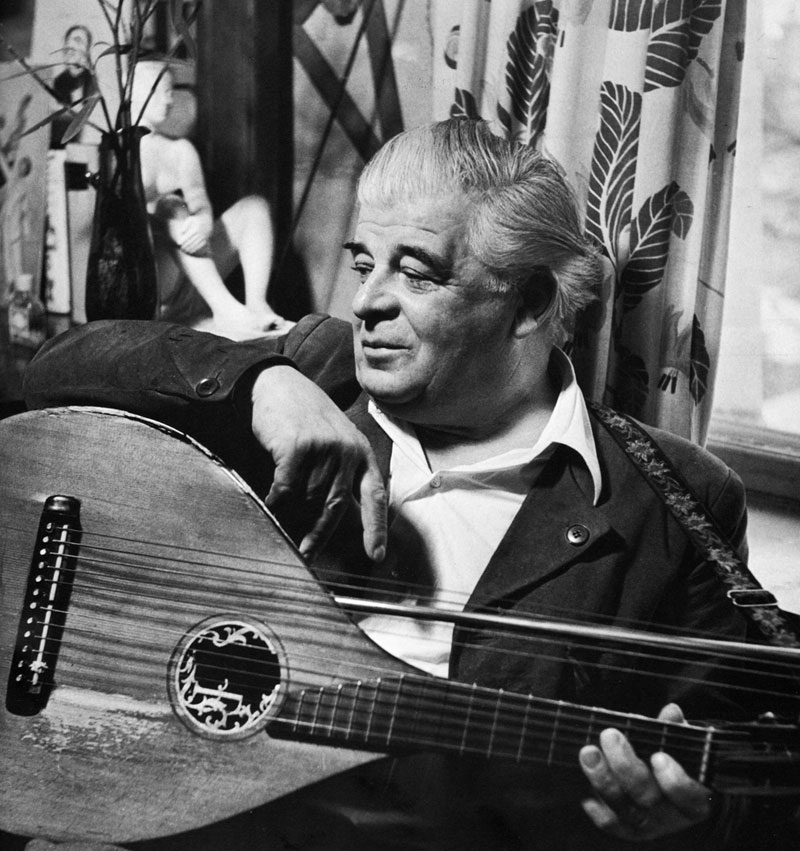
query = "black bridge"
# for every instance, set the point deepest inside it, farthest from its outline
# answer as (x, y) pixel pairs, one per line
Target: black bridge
(44, 608)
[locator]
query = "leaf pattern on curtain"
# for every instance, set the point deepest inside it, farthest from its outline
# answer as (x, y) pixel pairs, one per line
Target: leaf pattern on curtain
(687, 355)
(464, 105)
(678, 30)
(611, 180)
(638, 101)
(649, 242)
(700, 363)
(530, 51)
(630, 391)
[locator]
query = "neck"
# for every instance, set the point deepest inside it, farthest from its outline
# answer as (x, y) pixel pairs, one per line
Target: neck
(494, 430)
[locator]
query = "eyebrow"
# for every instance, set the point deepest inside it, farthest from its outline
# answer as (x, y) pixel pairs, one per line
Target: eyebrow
(433, 260)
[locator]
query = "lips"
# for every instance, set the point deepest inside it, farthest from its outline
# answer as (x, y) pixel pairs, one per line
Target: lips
(380, 344)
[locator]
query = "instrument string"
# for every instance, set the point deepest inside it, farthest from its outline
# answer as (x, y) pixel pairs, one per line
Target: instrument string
(256, 570)
(257, 575)
(302, 601)
(483, 705)
(326, 629)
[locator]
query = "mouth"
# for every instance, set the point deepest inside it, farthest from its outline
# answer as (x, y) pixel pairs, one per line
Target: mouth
(380, 345)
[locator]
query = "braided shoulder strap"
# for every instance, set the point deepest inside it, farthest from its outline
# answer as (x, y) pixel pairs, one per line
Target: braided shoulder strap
(744, 590)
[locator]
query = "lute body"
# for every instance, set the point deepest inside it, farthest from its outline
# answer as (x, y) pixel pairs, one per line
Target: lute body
(167, 659)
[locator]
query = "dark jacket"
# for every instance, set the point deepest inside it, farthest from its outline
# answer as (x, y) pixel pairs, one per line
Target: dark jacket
(631, 564)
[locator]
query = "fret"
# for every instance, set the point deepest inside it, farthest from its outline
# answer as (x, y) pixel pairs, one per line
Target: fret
(662, 742)
(706, 757)
(493, 730)
(590, 727)
(298, 711)
(470, 703)
(401, 680)
(371, 713)
(334, 709)
(315, 715)
(524, 728)
(551, 751)
(349, 729)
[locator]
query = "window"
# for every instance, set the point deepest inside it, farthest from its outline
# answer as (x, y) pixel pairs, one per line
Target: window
(756, 423)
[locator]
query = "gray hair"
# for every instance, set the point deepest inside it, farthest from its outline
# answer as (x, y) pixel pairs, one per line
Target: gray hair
(523, 232)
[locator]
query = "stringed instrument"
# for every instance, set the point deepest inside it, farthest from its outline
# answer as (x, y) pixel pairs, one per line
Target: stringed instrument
(167, 660)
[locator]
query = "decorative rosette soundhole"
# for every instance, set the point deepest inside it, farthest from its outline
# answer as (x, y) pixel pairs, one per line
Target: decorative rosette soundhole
(225, 677)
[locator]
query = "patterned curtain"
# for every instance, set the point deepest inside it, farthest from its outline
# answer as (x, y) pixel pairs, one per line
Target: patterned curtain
(638, 102)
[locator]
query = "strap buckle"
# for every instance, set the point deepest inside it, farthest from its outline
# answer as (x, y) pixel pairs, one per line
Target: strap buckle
(749, 598)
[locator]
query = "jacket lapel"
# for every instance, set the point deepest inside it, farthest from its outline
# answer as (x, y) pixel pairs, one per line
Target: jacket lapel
(556, 526)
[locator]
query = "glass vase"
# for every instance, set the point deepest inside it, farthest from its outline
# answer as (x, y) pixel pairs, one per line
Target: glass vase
(121, 278)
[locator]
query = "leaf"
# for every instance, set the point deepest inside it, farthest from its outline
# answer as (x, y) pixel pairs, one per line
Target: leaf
(505, 121)
(464, 105)
(613, 168)
(530, 48)
(649, 247)
(676, 40)
(629, 17)
(114, 50)
(79, 122)
(682, 214)
(631, 383)
(699, 364)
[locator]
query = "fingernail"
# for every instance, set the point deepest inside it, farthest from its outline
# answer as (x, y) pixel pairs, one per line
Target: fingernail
(379, 554)
(591, 758)
(660, 761)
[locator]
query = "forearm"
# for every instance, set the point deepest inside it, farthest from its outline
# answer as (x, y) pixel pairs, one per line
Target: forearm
(149, 368)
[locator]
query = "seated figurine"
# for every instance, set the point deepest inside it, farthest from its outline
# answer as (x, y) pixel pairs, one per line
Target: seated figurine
(191, 246)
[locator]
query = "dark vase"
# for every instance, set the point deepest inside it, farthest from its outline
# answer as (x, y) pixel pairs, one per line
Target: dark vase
(121, 278)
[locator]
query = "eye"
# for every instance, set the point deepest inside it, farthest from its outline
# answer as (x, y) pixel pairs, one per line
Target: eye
(362, 269)
(420, 277)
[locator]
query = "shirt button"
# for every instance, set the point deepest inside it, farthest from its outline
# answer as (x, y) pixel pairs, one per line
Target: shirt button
(577, 535)
(436, 481)
(206, 387)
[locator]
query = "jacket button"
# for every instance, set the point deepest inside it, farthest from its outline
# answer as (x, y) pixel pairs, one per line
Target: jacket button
(206, 387)
(577, 535)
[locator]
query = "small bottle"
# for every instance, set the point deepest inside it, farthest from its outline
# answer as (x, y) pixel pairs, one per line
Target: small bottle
(26, 315)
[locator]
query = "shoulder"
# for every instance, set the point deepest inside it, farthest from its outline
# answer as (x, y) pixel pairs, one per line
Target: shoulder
(718, 486)
(321, 347)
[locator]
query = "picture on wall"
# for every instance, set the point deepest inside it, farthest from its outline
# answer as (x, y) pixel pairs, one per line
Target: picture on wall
(23, 160)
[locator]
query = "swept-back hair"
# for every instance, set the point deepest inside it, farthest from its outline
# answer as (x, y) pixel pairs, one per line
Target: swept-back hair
(523, 228)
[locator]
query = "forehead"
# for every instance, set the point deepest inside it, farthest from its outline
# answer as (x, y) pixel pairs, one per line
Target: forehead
(423, 219)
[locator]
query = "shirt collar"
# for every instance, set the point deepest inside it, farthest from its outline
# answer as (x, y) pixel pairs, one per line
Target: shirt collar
(569, 425)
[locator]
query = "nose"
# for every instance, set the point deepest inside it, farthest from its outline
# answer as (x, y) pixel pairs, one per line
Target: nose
(375, 299)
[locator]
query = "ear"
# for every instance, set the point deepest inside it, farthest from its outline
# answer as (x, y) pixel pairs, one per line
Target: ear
(536, 295)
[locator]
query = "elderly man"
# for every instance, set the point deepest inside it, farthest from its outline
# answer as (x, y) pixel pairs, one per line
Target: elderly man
(463, 417)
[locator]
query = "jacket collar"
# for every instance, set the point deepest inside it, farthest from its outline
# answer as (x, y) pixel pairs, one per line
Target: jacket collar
(554, 528)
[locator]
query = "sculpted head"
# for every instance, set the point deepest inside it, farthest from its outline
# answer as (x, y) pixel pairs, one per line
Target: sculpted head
(151, 91)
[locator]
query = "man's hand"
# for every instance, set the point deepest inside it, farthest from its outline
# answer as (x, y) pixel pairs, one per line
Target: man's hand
(636, 801)
(321, 458)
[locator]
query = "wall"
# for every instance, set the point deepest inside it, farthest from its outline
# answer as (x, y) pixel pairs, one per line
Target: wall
(417, 32)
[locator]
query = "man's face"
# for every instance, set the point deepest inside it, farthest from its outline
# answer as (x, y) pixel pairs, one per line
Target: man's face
(430, 346)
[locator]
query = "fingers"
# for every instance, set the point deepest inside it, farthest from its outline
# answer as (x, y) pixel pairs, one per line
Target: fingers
(636, 799)
(322, 462)
(374, 510)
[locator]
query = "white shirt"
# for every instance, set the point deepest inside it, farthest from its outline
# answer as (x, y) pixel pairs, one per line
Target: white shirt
(475, 504)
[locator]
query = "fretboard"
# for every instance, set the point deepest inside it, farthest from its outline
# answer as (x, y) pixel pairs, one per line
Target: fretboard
(409, 713)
